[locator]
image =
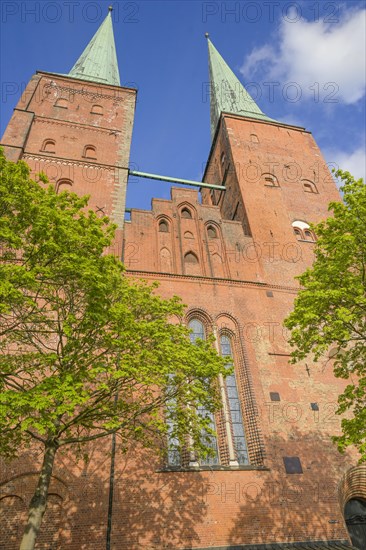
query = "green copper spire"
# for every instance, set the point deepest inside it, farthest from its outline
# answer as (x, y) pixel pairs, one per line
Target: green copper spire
(227, 92)
(98, 62)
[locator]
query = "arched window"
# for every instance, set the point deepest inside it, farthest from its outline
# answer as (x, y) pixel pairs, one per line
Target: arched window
(309, 187)
(308, 235)
(355, 516)
(90, 152)
(188, 235)
(198, 330)
(186, 213)
(63, 185)
(96, 110)
(209, 440)
(302, 231)
(222, 159)
(163, 226)
(233, 400)
(298, 233)
(211, 232)
(190, 258)
(270, 180)
(62, 103)
(49, 146)
(254, 138)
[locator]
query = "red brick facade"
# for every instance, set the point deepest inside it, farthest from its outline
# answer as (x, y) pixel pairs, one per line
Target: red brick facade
(232, 258)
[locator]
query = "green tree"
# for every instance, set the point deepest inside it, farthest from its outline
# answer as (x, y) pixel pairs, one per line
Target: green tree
(329, 316)
(85, 351)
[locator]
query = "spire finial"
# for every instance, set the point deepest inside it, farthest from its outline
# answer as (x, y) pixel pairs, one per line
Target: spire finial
(110, 8)
(207, 35)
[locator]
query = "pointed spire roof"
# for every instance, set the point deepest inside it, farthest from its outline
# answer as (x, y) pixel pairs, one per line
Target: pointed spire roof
(227, 92)
(98, 62)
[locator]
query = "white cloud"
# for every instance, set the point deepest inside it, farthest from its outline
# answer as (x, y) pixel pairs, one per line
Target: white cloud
(316, 52)
(355, 162)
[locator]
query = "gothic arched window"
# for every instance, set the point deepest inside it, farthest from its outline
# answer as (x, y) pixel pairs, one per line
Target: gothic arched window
(163, 226)
(186, 213)
(211, 232)
(209, 440)
(190, 258)
(233, 401)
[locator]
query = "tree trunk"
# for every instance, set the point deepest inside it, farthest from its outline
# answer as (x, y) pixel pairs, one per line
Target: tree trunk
(38, 503)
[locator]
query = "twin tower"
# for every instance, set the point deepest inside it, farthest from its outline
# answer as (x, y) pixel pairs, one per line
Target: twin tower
(232, 255)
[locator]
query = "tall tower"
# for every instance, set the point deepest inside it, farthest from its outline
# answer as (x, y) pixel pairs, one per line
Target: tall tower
(276, 179)
(76, 127)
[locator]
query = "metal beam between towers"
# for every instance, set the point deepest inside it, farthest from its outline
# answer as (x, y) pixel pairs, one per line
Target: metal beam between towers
(176, 180)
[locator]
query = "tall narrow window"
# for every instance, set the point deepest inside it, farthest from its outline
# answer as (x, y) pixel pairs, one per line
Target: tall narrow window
(174, 447)
(236, 417)
(209, 440)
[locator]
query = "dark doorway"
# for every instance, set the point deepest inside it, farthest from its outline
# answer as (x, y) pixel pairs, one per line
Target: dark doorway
(355, 516)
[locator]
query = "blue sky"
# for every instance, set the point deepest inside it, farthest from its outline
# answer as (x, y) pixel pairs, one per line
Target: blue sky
(304, 62)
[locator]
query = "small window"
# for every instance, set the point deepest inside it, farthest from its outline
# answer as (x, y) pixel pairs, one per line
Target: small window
(62, 103)
(90, 152)
(270, 180)
(308, 235)
(275, 396)
(63, 185)
(314, 406)
(49, 146)
(222, 159)
(302, 231)
(97, 110)
(309, 187)
(254, 138)
(211, 232)
(186, 213)
(298, 233)
(190, 258)
(163, 226)
(292, 465)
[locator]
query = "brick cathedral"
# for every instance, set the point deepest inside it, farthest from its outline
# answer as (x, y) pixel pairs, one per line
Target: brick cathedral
(230, 249)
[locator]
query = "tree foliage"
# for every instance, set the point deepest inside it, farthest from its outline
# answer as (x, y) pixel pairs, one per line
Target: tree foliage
(329, 315)
(85, 351)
